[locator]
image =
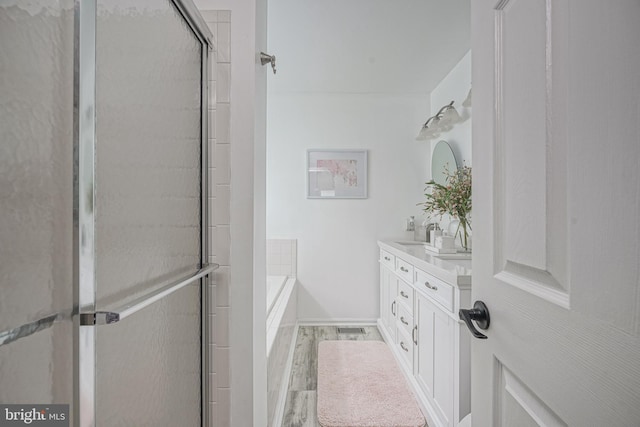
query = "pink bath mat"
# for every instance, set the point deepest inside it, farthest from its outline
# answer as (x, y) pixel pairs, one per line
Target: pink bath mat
(360, 385)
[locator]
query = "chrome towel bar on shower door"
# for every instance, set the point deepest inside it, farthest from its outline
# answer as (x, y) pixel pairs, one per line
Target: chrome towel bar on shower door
(126, 310)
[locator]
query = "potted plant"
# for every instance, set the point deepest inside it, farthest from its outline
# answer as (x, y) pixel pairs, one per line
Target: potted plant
(452, 198)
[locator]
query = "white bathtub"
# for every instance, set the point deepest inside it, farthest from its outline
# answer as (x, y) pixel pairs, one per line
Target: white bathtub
(281, 325)
(274, 287)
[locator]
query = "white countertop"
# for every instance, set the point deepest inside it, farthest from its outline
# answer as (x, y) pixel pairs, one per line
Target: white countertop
(451, 271)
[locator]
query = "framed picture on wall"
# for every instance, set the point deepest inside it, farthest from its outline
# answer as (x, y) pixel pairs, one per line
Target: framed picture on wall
(336, 174)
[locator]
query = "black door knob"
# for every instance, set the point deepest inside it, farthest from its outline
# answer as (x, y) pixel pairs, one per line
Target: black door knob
(479, 313)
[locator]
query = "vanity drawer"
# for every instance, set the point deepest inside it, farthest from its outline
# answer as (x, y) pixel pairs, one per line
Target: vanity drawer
(440, 291)
(405, 347)
(387, 259)
(405, 319)
(405, 294)
(404, 270)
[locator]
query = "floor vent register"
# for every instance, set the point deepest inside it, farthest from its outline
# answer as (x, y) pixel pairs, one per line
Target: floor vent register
(350, 330)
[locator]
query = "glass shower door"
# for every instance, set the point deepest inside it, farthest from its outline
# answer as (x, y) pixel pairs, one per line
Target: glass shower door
(148, 216)
(103, 168)
(36, 203)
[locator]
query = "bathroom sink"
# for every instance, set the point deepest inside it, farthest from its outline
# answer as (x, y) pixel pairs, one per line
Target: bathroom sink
(410, 243)
(460, 259)
(457, 257)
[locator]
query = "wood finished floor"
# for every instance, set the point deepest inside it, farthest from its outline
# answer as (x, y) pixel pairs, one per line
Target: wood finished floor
(300, 408)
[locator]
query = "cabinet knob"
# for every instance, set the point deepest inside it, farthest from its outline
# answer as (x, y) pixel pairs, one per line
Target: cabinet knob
(404, 321)
(393, 306)
(403, 347)
(403, 294)
(387, 258)
(413, 334)
(479, 313)
(404, 269)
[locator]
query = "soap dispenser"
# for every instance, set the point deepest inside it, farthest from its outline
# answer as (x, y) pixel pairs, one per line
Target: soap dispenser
(411, 223)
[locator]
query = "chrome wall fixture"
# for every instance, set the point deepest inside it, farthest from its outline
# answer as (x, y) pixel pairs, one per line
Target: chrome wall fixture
(443, 121)
(268, 59)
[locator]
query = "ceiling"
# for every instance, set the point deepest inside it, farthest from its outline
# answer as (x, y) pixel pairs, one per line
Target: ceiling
(365, 46)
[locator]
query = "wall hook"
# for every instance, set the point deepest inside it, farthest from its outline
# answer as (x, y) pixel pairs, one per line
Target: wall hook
(266, 59)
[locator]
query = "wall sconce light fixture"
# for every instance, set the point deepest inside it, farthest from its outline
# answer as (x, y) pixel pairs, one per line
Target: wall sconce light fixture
(443, 121)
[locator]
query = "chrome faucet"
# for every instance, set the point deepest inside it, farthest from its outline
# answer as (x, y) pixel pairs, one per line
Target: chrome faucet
(432, 226)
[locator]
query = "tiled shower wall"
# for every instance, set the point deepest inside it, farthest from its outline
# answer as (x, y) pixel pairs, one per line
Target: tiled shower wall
(282, 257)
(219, 22)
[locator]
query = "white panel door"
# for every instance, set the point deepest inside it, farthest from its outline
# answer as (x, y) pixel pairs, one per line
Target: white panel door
(556, 156)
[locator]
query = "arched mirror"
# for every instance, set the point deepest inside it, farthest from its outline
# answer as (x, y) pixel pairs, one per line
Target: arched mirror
(442, 160)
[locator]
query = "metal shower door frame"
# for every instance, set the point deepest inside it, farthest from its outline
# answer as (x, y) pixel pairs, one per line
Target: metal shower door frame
(85, 322)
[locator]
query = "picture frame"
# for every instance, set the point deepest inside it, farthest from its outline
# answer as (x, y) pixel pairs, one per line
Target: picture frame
(337, 174)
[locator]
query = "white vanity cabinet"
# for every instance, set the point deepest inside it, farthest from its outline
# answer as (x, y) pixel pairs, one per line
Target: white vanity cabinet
(420, 299)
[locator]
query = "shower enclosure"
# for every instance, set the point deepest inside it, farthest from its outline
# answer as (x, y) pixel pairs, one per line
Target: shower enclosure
(104, 210)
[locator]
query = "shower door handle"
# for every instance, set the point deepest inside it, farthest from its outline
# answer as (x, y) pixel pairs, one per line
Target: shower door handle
(126, 310)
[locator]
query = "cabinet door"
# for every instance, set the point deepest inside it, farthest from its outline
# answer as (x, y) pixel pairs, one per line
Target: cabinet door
(392, 306)
(434, 362)
(384, 295)
(443, 360)
(423, 364)
(388, 306)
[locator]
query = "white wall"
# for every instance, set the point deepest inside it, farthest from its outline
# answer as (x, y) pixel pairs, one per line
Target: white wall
(337, 253)
(455, 87)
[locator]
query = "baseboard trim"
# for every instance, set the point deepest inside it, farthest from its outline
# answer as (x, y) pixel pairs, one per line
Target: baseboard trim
(278, 417)
(337, 322)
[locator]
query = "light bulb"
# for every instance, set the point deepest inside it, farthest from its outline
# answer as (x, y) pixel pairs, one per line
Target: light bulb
(427, 133)
(449, 117)
(467, 102)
